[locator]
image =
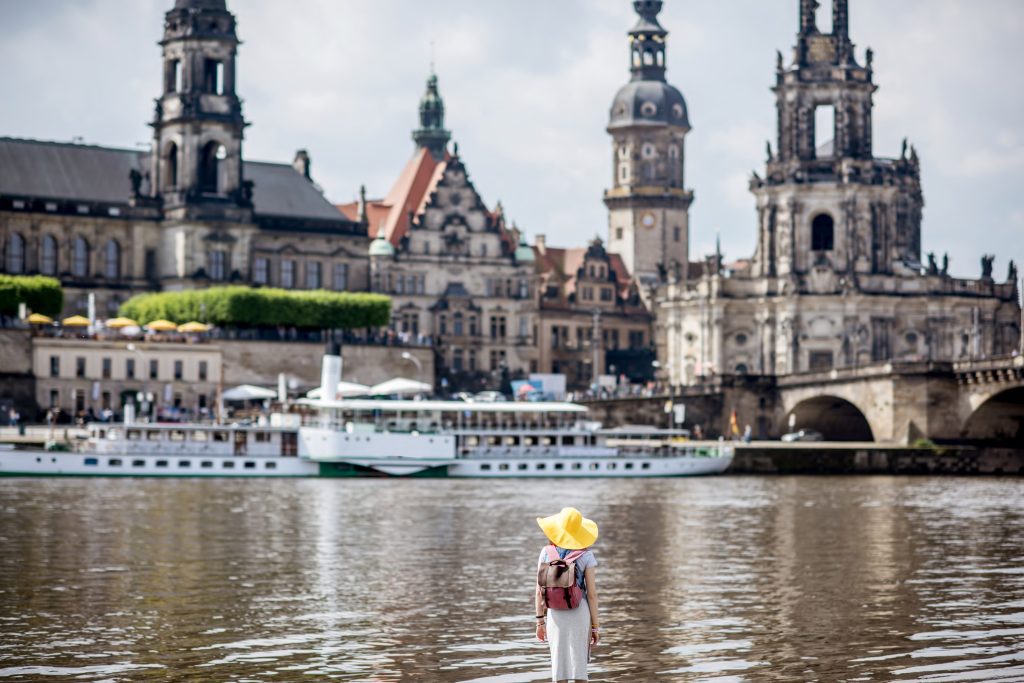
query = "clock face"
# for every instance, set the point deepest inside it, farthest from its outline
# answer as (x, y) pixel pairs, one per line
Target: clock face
(647, 220)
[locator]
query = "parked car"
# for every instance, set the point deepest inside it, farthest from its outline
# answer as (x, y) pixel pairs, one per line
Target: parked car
(489, 396)
(803, 435)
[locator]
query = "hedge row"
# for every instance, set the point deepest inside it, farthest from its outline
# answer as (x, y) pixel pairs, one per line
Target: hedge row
(41, 294)
(264, 307)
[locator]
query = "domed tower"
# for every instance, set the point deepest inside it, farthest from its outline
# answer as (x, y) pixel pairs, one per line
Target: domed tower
(648, 204)
(431, 133)
(198, 126)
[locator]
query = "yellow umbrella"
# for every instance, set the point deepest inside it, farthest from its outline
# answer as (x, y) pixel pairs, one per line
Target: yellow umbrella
(39, 319)
(162, 326)
(75, 321)
(117, 323)
(193, 326)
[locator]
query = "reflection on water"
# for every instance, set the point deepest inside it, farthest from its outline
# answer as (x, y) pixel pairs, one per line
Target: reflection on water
(717, 579)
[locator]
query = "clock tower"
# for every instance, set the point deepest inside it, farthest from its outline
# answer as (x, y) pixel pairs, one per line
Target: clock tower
(648, 203)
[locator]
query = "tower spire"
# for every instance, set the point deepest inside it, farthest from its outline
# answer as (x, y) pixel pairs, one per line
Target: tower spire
(647, 42)
(432, 134)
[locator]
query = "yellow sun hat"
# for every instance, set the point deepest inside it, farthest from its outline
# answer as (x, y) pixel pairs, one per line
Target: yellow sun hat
(569, 529)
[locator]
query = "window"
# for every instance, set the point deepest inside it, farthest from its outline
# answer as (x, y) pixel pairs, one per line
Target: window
(213, 77)
(138, 463)
(54, 366)
(92, 461)
(824, 131)
(524, 327)
(171, 164)
(820, 360)
(206, 464)
(217, 261)
(287, 274)
(741, 339)
(114, 462)
(623, 173)
(112, 260)
(442, 325)
(270, 465)
(261, 271)
(645, 466)
(498, 330)
(179, 369)
(457, 360)
(636, 339)
(154, 368)
(16, 254)
(172, 75)
(250, 465)
(588, 294)
(209, 167)
(339, 277)
(821, 233)
(677, 233)
(497, 359)
(485, 467)
(48, 256)
(161, 463)
(606, 294)
(129, 368)
(202, 370)
(107, 366)
(228, 465)
(313, 275)
(457, 328)
(79, 366)
(184, 463)
(472, 360)
(522, 466)
(742, 369)
(618, 233)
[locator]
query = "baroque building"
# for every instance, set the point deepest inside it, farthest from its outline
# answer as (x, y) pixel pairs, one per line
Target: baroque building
(837, 278)
(459, 275)
(648, 203)
(189, 212)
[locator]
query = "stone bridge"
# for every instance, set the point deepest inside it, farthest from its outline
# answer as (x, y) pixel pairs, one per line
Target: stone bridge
(899, 403)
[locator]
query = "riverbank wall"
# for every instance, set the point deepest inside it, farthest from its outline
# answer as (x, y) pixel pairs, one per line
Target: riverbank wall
(873, 458)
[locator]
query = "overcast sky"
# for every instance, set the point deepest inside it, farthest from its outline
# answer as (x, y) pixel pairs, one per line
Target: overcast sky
(527, 84)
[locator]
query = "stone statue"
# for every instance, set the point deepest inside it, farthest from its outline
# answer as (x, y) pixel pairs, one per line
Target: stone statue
(768, 149)
(903, 149)
(778, 60)
(136, 179)
(945, 265)
(1011, 273)
(986, 266)
(933, 268)
(869, 55)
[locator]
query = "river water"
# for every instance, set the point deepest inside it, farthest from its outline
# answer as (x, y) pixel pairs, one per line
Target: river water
(712, 579)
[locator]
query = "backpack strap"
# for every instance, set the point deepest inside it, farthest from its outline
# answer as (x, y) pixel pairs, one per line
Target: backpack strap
(575, 555)
(552, 552)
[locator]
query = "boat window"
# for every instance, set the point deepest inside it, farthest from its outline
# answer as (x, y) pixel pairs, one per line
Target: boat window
(493, 440)
(503, 466)
(577, 465)
(177, 435)
(523, 466)
(270, 465)
(290, 443)
(250, 465)
(472, 440)
(612, 465)
(184, 463)
(200, 435)
(153, 435)
(206, 464)
(485, 466)
(114, 462)
(227, 464)
(645, 466)
(220, 436)
(567, 440)
(92, 461)
(262, 437)
(161, 463)
(541, 466)
(134, 435)
(548, 440)
(593, 465)
(511, 440)
(559, 465)
(628, 465)
(530, 440)
(138, 463)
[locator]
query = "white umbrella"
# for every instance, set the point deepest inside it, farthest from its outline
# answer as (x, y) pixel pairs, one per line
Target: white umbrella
(248, 392)
(345, 389)
(400, 386)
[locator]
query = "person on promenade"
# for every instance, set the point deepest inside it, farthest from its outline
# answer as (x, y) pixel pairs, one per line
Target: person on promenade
(567, 603)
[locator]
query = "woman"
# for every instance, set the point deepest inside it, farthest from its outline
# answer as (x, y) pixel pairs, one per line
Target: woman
(571, 632)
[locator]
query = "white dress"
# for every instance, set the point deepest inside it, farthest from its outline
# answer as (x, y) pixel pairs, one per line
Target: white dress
(569, 633)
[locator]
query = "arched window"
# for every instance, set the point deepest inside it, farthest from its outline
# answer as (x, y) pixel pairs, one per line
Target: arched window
(48, 255)
(457, 324)
(16, 254)
(171, 165)
(647, 171)
(80, 257)
(821, 233)
(112, 260)
(209, 167)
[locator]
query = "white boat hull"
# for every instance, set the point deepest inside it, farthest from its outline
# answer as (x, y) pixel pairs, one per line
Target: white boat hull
(56, 463)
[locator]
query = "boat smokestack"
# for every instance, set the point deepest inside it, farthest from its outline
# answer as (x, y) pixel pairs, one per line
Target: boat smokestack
(330, 373)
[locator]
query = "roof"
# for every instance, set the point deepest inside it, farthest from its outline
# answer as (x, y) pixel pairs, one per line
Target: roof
(562, 264)
(67, 171)
(409, 194)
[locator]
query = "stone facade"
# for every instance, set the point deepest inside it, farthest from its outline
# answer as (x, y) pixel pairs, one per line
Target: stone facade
(837, 279)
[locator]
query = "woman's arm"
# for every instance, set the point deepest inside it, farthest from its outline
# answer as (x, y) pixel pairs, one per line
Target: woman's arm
(590, 578)
(540, 610)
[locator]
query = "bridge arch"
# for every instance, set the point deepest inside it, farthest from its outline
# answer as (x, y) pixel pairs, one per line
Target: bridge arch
(836, 418)
(999, 419)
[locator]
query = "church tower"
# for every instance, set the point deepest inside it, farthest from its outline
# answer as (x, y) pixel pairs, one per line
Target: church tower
(432, 134)
(648, 203)
(827, 206)
(198, 126)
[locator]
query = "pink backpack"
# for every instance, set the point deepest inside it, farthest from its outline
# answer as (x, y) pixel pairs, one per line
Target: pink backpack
(557, 580)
